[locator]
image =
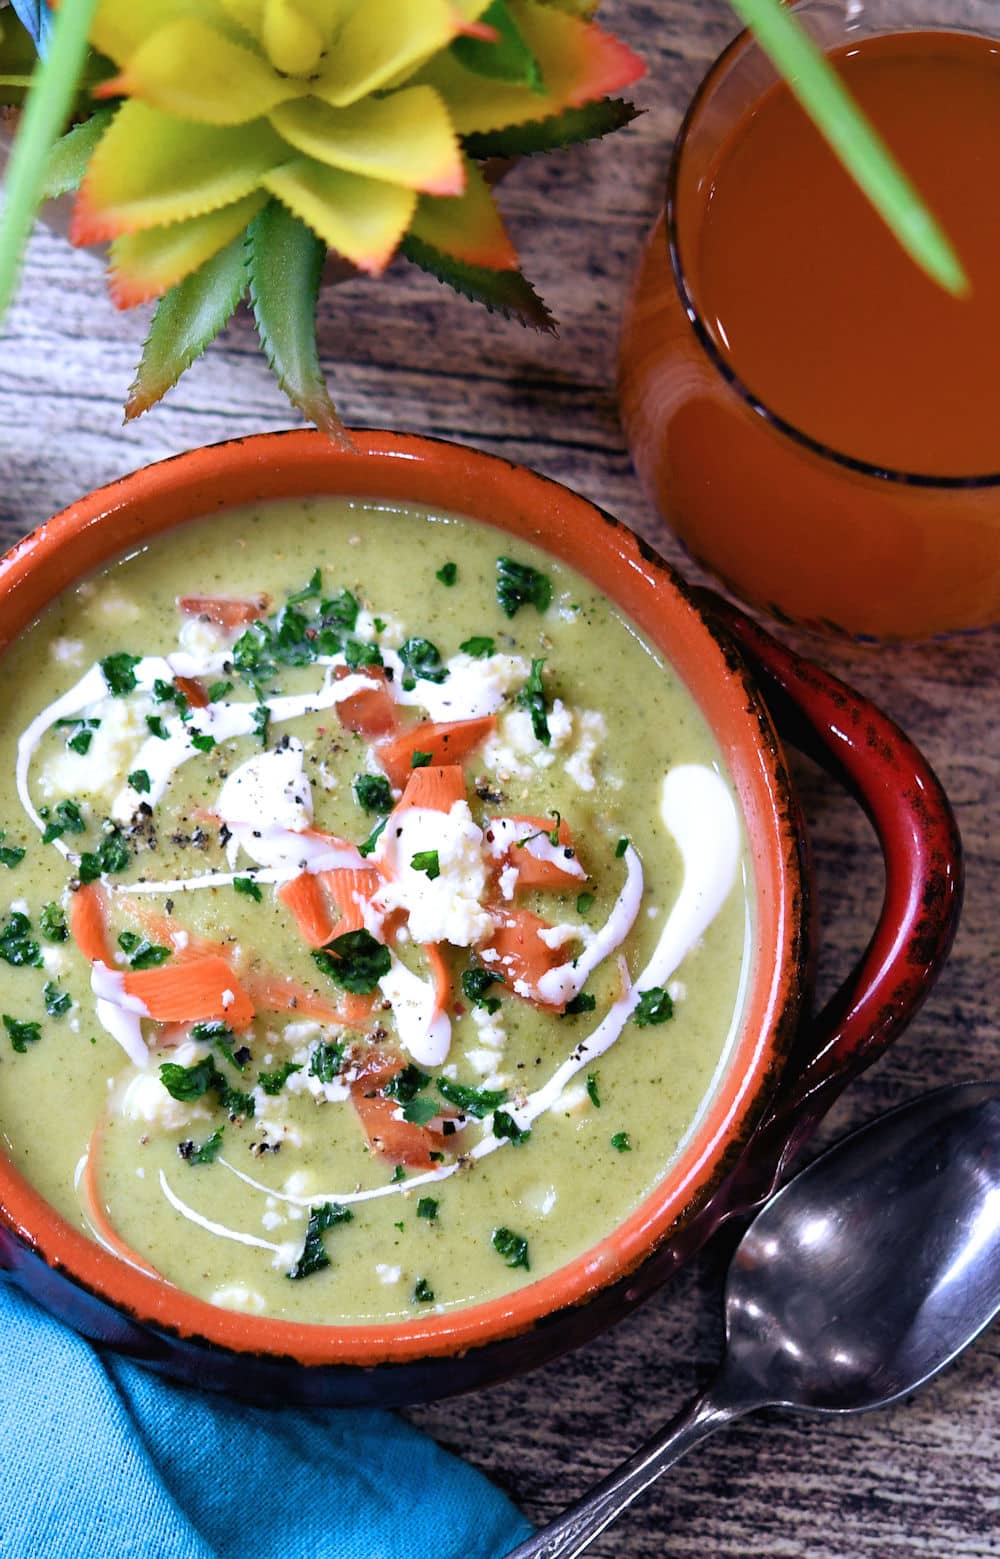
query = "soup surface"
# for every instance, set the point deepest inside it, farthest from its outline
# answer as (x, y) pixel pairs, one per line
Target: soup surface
(373, 911)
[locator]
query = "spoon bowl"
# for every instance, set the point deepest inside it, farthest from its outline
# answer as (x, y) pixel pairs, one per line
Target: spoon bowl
(869, 1272)
(877, 1265)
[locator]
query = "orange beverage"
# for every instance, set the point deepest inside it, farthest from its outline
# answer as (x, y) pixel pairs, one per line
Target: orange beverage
(817, 420)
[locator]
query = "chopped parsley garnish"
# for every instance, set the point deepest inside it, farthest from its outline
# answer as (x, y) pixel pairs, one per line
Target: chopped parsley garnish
(620, 1142)
(313, 588)
(655, 1006)
(532, 698)
(17, 947)
(620, 848)
(82, 734)
(359, 653)
(253, 654)
(423, 1294)
(512, 1247)
(447, 573)
(157, 727)
(419, 1111)
(215, 1032)
(423, 659)
(11, 855)
(119, 673)
(112, 855)
(218, 690)
(186, 1083)
(56, 1001)
(427, 861)
(202, 741)
(341, 611)
(21, 1034)
(65, 819)
(476, 982)
(373, 792)
(405, 1084)
(479, 646)
(355, 960)
(53, 923)
(261, 722)
(273, 1082)
(206, 1154)
(314, 1256)
(249, 888)
(582, 1003)
(471, 1101)
(518, 584)
(427, 1207)
(420, 760)
(327, 1060)
(506, 1127)
(373, 838)
(592, 1092)
(584, 903)
(139, 781)
(142, 953)
(398, 1175)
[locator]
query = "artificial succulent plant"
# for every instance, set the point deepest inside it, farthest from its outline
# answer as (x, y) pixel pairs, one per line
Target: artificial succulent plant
(227, 146)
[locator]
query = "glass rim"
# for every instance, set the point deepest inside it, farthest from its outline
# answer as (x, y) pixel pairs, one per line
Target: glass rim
(714, 352)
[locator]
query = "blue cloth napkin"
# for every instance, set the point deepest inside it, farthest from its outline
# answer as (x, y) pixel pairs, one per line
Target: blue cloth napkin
(98, 1457)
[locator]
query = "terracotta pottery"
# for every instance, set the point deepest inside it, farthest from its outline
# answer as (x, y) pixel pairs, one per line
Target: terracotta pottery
(784, 1072)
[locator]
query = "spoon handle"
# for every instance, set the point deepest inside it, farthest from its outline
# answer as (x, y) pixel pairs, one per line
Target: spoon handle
(576, 1528)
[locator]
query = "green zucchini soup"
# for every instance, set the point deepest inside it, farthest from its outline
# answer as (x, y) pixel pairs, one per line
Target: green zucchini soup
(374, 911)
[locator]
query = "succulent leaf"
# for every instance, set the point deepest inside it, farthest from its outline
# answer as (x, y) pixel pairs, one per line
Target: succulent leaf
(362, 219)
(189, 69)
(293, 41)
(405, 138)
(285, 263)
(469, 228)
(578, 61)
(142, 265)
(72, 152)
(380, 43)
(508, 58)
(152, 168)
(544, 135)
(120, 27)
(187, 319)
(502, 292)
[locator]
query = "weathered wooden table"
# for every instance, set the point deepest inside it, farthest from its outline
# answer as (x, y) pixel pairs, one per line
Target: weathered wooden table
(924, 1478)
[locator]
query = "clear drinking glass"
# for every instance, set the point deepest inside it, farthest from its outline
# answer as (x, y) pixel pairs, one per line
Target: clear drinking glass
(805, 532)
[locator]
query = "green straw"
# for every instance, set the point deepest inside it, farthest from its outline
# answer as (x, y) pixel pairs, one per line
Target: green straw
(832, 109)
(47, 107)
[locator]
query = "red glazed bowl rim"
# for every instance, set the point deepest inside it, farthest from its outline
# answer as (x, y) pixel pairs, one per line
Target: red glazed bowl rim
(405, 468)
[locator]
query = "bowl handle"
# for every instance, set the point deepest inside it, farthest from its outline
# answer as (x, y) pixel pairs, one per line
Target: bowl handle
(866, 752)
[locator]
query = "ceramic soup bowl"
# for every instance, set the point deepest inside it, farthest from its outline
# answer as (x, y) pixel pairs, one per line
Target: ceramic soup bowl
(785, 1066)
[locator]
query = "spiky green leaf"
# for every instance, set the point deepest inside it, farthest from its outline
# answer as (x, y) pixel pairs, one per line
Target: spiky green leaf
(187, 318)
(46, 111)
(284, 265)
(72, 152)
(502, 292)
(545, 135)
(507, 58)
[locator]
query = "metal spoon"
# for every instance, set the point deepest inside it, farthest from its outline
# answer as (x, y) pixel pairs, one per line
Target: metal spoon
(860, 1280)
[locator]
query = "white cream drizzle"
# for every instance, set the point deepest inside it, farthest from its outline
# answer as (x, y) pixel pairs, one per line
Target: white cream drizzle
(426, 1034)
(700, 814)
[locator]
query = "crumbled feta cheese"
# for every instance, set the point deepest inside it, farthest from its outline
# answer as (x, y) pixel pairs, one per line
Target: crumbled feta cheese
(68, 652)
(572, 1100)
(56, 961)
(445, 908)
(118, 607)
(144, 1097)
(392, 633)
(236, 1296)
(559, 935)
(471, 689)
(201, 637)
(508, 881)
(387, 1274)
(591, 732)
(113, 748)
(491, 1029)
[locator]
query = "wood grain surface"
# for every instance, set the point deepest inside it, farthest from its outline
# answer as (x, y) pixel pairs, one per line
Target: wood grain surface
(923, 1479)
